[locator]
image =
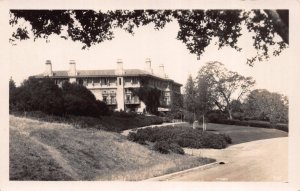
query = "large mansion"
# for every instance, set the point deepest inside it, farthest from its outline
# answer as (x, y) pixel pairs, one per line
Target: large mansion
(115, 86)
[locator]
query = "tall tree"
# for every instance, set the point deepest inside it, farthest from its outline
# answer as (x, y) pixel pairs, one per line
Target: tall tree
(224, 85)
(197, 28)
(204, 100)
(264, 105)
(190, 95)
(12, 92)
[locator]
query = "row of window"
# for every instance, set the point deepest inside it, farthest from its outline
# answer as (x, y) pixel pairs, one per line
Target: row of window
(112, 82)
(109, 99)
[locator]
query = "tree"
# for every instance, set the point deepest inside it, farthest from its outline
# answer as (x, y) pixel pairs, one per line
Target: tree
(150, 96)
(264, 105)
(37, 95)
(177, 105)
(237, 109)
(197, 28)
(190, 95)
(204, 100)
(12, 91)
(223, 85)
(78, 100)
(44, 95)
(190, 99)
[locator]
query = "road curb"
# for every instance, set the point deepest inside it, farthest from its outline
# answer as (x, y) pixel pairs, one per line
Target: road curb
(169, 176)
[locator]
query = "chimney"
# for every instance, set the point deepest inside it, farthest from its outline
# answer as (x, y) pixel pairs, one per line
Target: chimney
(148, 66)
(72, 69)
(48, 69)
(161, 71)
(119, 70)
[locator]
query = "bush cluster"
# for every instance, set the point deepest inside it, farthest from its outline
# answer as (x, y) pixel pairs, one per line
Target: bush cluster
(181, 136)
(166, 147)
(44, 95)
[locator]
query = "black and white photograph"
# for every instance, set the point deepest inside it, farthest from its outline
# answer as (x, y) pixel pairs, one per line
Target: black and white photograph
(177, 94)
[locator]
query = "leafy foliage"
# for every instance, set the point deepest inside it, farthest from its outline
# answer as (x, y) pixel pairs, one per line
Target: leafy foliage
(165, 147)
(78, 100)
(38, 95)
(150, 96)
(264, 105)
(197, 28)
(44, 95)
(190, 95)
(223, 84)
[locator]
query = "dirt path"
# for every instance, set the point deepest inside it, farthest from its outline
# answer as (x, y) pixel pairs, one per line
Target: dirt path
(263, 160)
(54, 153)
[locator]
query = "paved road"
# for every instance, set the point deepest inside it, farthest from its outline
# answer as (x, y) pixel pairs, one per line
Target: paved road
(263, 160)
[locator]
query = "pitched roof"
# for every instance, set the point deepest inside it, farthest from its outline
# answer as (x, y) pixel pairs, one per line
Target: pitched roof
(105, 73)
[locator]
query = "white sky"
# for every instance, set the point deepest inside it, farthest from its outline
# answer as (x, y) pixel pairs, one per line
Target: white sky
(28, 57)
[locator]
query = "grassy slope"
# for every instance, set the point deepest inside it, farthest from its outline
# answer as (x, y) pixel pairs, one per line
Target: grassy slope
(116, 122)
(56, 151)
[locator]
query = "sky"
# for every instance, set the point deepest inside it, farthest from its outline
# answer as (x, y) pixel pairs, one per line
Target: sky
(161, 46)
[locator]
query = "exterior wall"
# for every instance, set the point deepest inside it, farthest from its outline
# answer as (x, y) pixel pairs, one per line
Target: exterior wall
(141, 108)
(120, 93)
(132, 82)
(115, 91)
(72, 80)
(105, 94)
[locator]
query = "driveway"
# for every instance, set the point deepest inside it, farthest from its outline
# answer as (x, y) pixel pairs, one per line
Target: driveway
(262, 160)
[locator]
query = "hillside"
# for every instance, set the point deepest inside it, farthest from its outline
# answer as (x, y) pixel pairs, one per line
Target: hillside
(56, 151)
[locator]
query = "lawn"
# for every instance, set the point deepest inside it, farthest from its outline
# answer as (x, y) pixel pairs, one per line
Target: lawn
(242, 134)
(56, 151)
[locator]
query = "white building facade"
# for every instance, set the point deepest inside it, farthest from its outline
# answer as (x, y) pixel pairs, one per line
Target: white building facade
(115, 86)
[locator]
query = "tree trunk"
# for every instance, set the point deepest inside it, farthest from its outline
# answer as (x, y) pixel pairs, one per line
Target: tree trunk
(230, 113)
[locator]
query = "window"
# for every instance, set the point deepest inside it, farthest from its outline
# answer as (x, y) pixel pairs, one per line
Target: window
(80, 82)
(128, 98)
(136, 99)
(105, 98)
(167, 100)
(96, 81)
(113, 99)
(120, 81)
(104, 81)
(135, 81)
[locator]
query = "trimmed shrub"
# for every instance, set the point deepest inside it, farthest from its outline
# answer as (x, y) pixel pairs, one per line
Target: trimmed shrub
(133, 137)
(182, 136)
(175, 148)
(124, 114)
(214, 116)
(162, 147)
